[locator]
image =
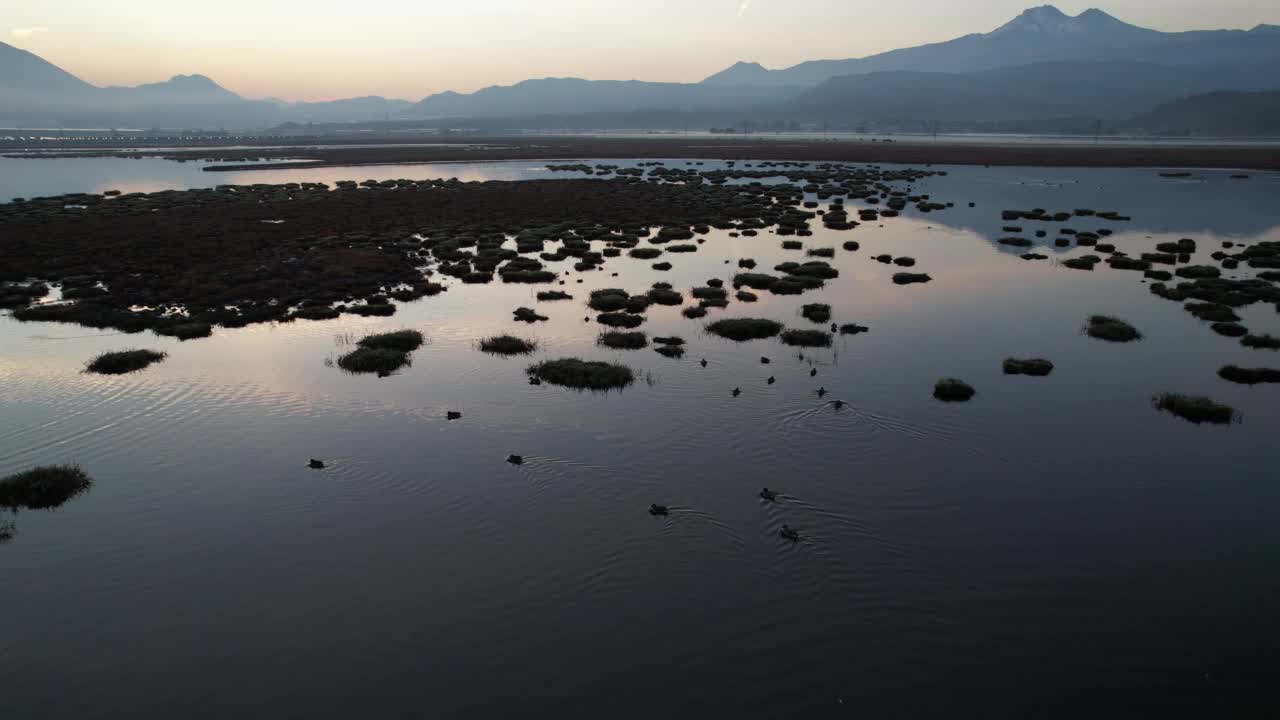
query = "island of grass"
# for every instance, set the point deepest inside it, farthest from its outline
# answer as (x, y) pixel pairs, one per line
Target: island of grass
(807, 338)
(953, 390)
(507, 345)
(622, 340)
(1111, 329)
(405, 341)
(743, 329)
(124, 361)
(1249, 376)
(1036, 367)
(382, 361)
(582, 374)
(817, 312)
(1197, 409)
(43, 487)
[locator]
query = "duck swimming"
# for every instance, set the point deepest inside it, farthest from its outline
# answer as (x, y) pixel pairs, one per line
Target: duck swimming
(453, 415)
(704, 362)
(315, 464)
(656, 509)
(770, 495)
(813, 372)
(772, 380)
(515, 459)
(790, 533)
(822, 391)
(764, 361)
(737, 392)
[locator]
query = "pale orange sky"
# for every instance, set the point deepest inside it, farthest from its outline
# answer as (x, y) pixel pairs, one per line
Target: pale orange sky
(411, 48)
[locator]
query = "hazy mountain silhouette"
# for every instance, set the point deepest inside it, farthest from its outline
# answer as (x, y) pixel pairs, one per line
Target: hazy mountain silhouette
(24, 74)
(574, 95)
(1109, 90)
(1041, 34)
(1218, 113)
(1038, 69)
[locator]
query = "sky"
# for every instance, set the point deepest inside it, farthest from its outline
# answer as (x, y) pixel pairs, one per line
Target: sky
(327, 49)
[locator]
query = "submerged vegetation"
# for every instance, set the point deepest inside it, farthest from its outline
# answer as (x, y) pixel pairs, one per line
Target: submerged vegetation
(582, 374)
(124, 361)
(43, 487)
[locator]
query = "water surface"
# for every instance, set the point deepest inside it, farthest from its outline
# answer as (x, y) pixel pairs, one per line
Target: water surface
(1051, 547)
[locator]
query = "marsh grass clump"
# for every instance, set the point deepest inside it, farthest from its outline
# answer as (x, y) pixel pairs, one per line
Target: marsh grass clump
(953, 390)
(1036, 367)
(1261, 342)
(1197, 409)
(43, 488)
(807, 338)
(622, 320)
(817, 312)
(1249, 376)
(1112, 329)
(622, 340)
(694, 312)
(507, 345)
(582, 374)
(402, 340)
(124, 361)
(743, 329)
(853, 329)
(671, 351)
(905, 278)
(608, 300)
(382, 361)
(524, 314)
(709, 293)
(550, 295)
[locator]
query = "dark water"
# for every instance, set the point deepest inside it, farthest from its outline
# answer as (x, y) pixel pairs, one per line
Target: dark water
(1055, 547)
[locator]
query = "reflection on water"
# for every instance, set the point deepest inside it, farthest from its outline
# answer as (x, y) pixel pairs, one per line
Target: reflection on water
(1053, 543)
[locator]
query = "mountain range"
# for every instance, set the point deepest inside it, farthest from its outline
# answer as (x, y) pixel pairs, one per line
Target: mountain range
(1038, 70)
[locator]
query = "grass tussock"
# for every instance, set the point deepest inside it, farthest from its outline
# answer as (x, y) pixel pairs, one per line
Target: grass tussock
(743, 329)
(1036, 367)
(124, 361)
(807, 338)
(1249, 376)
(507, 345)
(953, 390)
(1195, 408)
(582, 374)
(622, 340)
(1111, 329)
(405, 341)
(382, 361)
(43, 487)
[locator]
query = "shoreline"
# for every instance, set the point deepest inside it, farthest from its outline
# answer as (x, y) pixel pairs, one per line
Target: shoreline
(496, 149)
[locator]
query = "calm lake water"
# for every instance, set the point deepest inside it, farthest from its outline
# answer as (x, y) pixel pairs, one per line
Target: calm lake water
(1055, 547)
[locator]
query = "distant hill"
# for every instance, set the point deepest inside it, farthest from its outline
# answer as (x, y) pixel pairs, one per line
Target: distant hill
(1218, 113)
(1109, 90)
(574, 95)
(1041, 34)
(26, 75)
